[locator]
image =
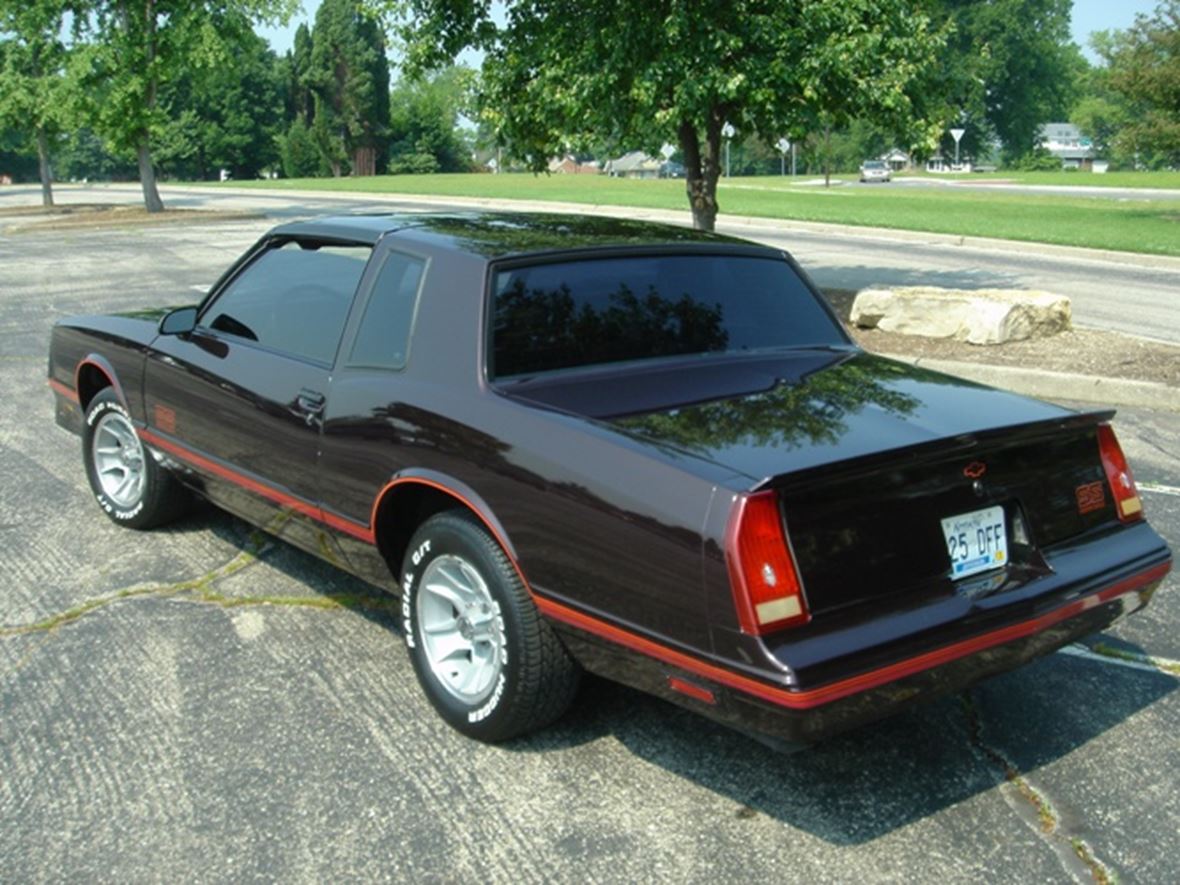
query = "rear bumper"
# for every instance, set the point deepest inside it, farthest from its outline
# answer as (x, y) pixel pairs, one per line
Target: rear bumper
(924, 668)
(877, 693)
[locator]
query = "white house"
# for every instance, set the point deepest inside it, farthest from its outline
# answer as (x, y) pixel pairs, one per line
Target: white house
(1066, 142)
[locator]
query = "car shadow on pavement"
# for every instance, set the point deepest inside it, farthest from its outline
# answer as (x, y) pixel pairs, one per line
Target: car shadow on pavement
(864, 784)
(848, 790)
(323, 581)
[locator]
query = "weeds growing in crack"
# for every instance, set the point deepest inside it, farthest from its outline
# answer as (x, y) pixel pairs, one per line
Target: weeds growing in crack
(1101, 875)
(72, 614)
(200, 590)
(1105, 650)
(1045, 814)
(1011, 773)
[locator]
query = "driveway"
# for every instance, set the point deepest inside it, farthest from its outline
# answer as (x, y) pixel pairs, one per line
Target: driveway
(207, 703)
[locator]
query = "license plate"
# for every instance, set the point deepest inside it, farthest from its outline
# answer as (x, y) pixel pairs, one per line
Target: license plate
(976, 541)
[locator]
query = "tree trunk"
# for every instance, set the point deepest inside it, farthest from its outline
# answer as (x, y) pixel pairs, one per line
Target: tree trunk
(147, 176)
(143, 151)
(701, 171)
(364, 161)
(43, 162)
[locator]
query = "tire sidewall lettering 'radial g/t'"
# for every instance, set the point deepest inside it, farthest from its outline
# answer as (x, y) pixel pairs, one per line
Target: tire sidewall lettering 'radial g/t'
(159, 498)
(535, 679)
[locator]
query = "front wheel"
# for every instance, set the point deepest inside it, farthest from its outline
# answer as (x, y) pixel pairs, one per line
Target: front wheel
(130, 487)
(489, 664)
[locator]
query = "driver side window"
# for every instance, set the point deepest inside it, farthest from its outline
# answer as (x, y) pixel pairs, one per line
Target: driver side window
(293, 298)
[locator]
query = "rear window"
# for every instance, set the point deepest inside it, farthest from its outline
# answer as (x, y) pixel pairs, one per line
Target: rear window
(567, 315)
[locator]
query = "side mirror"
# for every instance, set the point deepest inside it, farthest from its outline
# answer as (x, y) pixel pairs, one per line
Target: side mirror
(179, 322)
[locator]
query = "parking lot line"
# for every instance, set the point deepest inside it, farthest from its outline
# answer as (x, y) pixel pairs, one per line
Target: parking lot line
(1130, 660)
(1158, 489)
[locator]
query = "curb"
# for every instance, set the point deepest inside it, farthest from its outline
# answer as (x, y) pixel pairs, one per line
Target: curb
(683, 217)
(1045, 384)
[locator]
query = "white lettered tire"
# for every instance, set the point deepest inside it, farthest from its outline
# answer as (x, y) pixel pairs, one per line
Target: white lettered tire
(487, 661)
(130, 487)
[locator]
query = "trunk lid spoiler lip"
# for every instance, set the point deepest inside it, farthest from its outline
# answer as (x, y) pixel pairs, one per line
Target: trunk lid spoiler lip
(965, 444)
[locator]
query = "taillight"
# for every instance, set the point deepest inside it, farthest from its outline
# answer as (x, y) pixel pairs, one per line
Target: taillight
(766, 588)
(1119, 476)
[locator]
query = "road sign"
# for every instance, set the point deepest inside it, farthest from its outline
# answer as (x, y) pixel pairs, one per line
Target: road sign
(956, 134)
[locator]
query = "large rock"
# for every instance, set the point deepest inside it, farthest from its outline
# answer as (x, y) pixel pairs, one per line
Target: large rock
(980, 316)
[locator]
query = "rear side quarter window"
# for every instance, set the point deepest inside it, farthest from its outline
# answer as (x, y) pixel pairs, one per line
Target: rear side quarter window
(383, 336)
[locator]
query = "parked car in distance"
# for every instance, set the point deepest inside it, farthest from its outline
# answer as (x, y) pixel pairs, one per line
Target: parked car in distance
(652, 453)
(875, 170)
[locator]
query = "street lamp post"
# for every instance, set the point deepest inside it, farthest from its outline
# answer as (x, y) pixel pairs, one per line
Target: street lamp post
(728, 131)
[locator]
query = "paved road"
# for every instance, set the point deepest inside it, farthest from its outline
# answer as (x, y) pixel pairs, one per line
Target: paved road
(161, 720)
(1079, 189)
(1128, 295)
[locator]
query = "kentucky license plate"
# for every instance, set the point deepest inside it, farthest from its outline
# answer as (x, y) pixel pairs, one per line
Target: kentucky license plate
(976, 541)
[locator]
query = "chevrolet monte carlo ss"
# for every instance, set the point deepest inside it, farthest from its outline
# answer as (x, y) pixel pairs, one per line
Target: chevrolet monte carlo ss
(584, 444)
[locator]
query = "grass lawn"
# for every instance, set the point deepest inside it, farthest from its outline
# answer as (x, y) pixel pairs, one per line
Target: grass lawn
(1165, 180)
(1139, 226)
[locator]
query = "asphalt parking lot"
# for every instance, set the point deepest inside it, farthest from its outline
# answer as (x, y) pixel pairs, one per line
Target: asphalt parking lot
(205, 703)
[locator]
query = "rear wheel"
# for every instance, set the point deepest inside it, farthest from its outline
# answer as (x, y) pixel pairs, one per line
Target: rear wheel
(130, 487)
(486, 660)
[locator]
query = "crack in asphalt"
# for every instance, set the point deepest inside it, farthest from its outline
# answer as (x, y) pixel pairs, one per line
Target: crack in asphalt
(200, 590)
(1074, 853)
(86, 607)
(1147, 438)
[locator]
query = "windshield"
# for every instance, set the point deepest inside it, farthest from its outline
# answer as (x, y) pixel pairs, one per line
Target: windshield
(874, 164)
(566, 315)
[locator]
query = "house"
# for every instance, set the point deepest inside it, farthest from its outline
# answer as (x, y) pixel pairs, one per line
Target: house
(1066, 142)
(897, 160)
(635, 164)
(569, 165)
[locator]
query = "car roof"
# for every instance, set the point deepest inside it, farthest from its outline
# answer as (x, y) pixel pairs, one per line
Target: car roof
(499, 234)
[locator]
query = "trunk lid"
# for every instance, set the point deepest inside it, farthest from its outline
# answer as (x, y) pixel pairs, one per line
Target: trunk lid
(869, 456)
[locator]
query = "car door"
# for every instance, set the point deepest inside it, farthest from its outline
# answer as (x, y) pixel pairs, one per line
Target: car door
(239, 400)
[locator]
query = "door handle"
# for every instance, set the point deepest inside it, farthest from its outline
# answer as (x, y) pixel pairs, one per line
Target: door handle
(310, 403)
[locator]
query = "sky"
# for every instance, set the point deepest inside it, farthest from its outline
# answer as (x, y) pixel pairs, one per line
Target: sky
(1088, 16)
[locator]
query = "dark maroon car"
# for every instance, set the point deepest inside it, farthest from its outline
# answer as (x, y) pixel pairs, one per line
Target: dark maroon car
(646, 452)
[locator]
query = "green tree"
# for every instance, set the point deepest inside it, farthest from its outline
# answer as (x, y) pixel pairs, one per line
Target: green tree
(1007, 69)
(349, 76)
(227, 117)
(1144, 71)
(17, 159)
(82, 155)
(299, 151)
(424, 129)
(647, 73)
(140, 46)
(33, 85)
(1098, 111)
